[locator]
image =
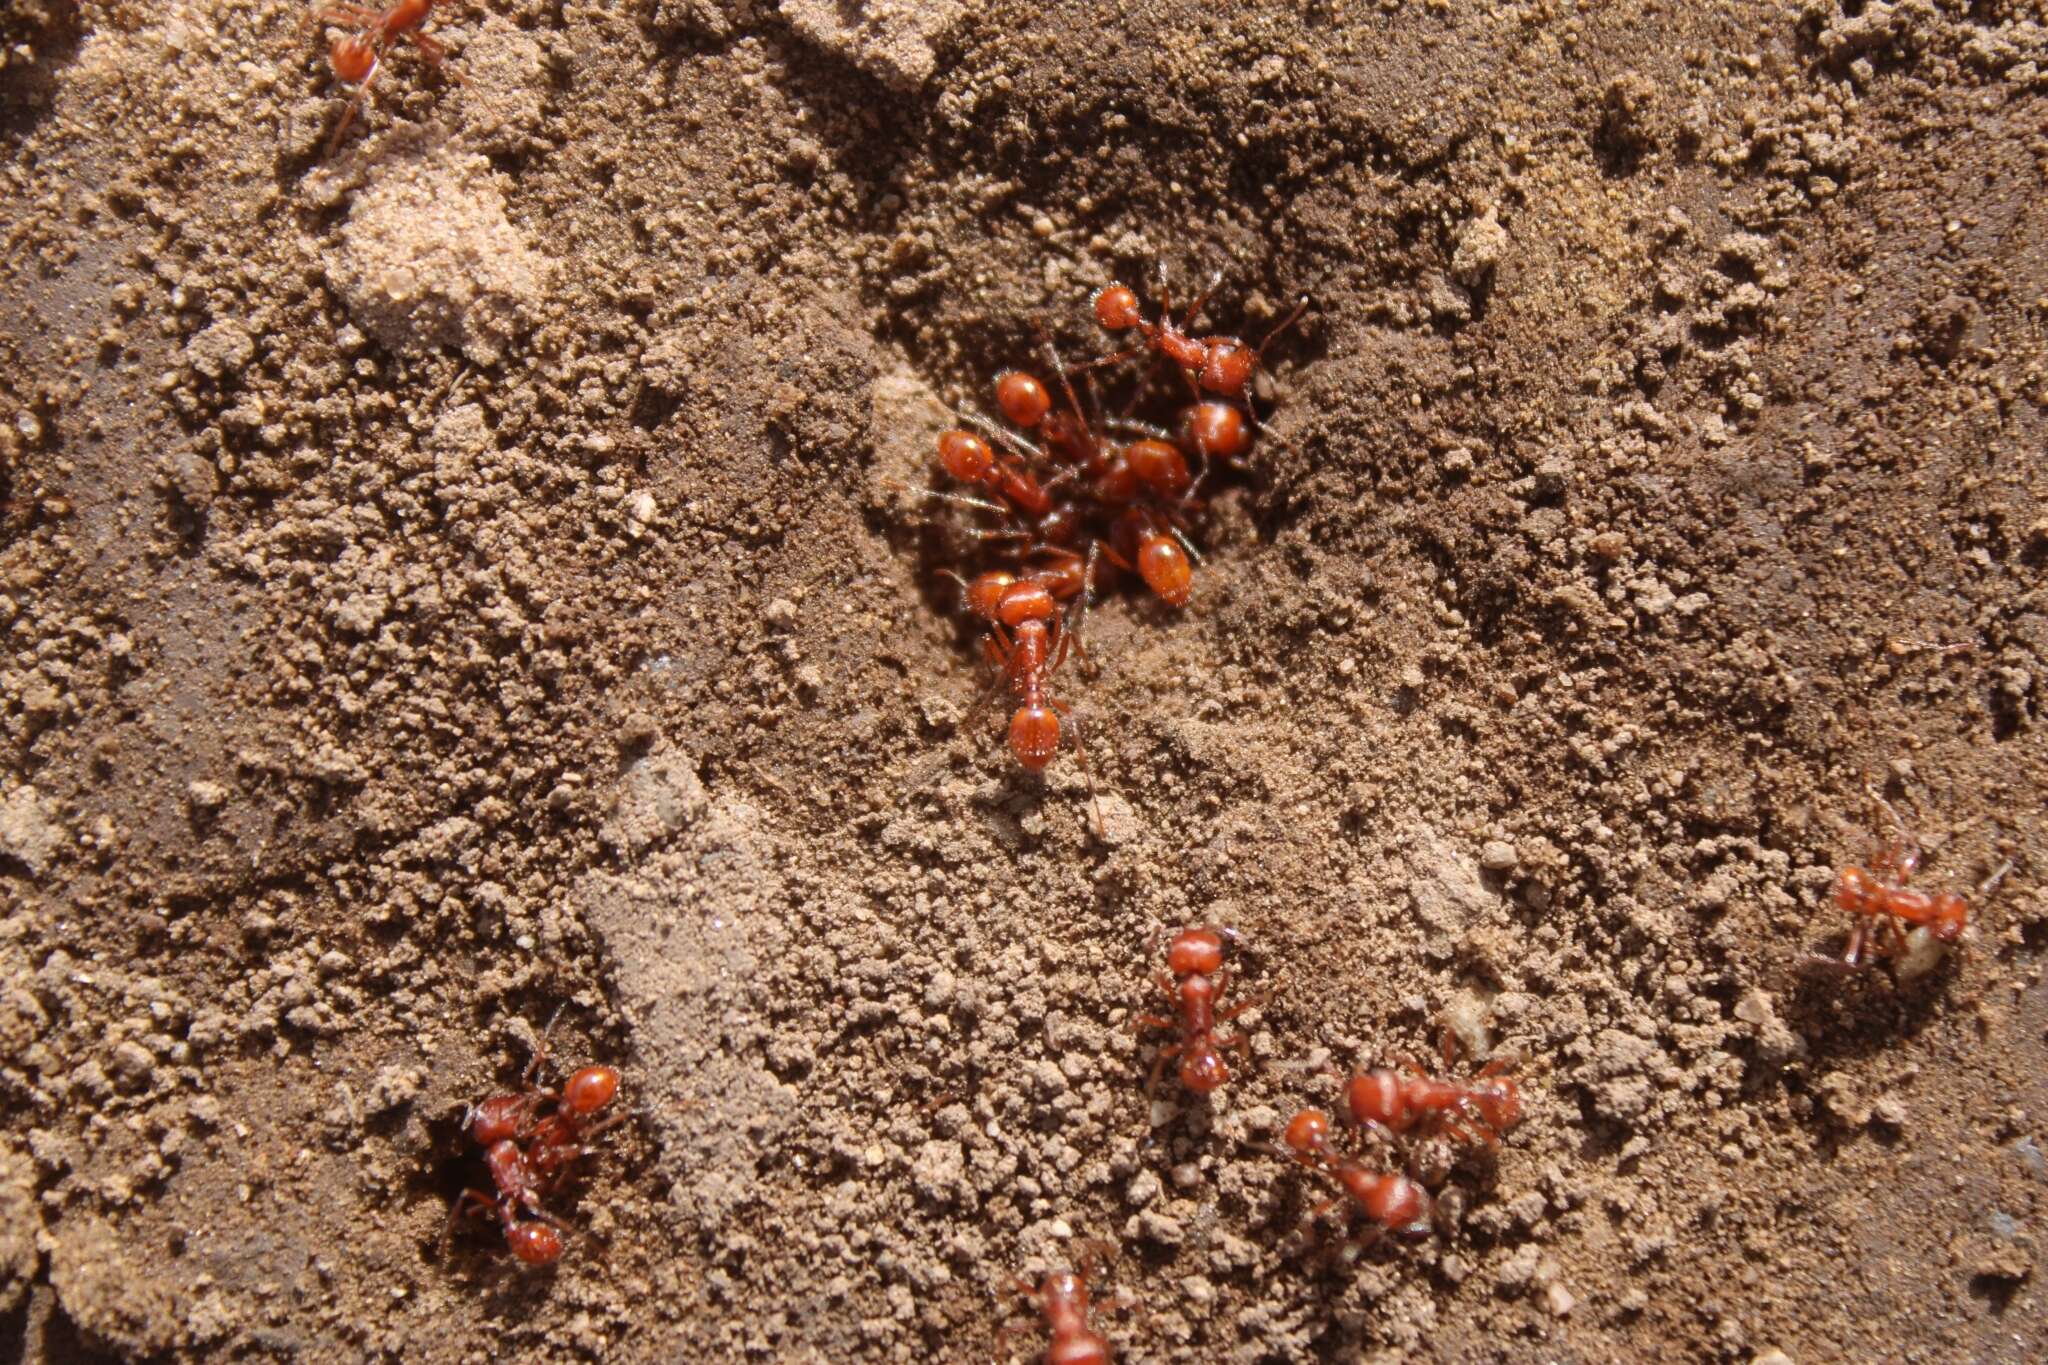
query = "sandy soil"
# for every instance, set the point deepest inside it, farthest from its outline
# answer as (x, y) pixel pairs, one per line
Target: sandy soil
(461, 579)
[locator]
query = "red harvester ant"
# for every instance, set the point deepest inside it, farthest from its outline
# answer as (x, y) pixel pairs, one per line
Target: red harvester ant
(1222, 365)
(1063, 1297)
(529, 1155)
(358, 57)
(1195, 958)
(1394, 1203)
(1880, 897)
(1479, 1112)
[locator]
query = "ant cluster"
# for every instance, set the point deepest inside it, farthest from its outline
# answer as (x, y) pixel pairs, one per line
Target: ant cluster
(532, 1137)
(1066, 501)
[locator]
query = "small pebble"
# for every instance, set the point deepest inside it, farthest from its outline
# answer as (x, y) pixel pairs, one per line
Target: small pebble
(1498, 857)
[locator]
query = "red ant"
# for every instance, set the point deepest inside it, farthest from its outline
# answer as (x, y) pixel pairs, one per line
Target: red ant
(1880, 897)
(1395, 1203)
(1028, 659)
(1479, 1112)
(1222, 365)
(358, 57)
(529, 1155)
(1195, 958)
(1063, 1297)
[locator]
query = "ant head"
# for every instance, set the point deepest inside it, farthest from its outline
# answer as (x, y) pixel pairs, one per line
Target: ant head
(1950, 917)
(1022, 398)
(1393, 1201)
(1064, 1287)
(986, 590)
(1201, 1067)
(1228, 367)
(1308, 1133)
(1116, 308)
(1215, 430)
(1195, 950)
(354, 58)
(1499, 1102)
(1856, 891)
(966, 456)
(534, 1243)
(1375, 1097)
(1164, 566)
(590, 1090)
(1034, 736)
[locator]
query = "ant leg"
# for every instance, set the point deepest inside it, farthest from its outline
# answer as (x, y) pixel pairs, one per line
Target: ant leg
(1166, 1054)
(348, 115)
(1081, 751)
(468, 1202)
(356, 16)
(1145, 1021)
(1202, 299)
(436, 54)
(1087, 597)
(1903, 854)
(1448, 1045)
(1114, 358)
(1286, 322)
(1241, 1007)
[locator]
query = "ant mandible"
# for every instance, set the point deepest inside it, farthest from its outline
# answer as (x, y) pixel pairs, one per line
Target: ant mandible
(1479, 1112)
(1395, 1203)
(1222, 365)
(1195, 959)
(1063, 1297)
(357, 58)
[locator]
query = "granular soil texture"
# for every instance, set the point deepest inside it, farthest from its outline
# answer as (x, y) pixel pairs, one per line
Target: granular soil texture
(467, 580)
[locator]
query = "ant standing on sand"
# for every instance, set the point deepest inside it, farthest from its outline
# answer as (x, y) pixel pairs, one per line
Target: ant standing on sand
(1195, 958)
(1063, 1297)
(358, 57)
(1884, 905)
(1408, 1099)
(1395, 1203)
(1222, 365)
(529, 1154)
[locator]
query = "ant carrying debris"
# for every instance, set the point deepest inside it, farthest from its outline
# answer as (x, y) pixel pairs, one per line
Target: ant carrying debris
(1398, 1101)
(1063, 1297)
(1394, 1202)
(530, 1153)
(1195, 959)
(1884, 905)
(358, 57)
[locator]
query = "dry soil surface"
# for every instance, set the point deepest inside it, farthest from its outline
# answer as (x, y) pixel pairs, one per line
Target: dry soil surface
(465, 578)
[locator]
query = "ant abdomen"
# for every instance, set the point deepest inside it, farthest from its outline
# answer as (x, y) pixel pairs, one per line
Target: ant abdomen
(1034, 736)
(1023, 399)
(1215, 430)
(590, 1090)
(534, 1243)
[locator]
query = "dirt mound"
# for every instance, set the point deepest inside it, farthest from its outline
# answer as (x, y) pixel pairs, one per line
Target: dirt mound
(469, 580)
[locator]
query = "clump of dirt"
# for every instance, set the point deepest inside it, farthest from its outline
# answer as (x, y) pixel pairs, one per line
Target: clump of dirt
(464, 582)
